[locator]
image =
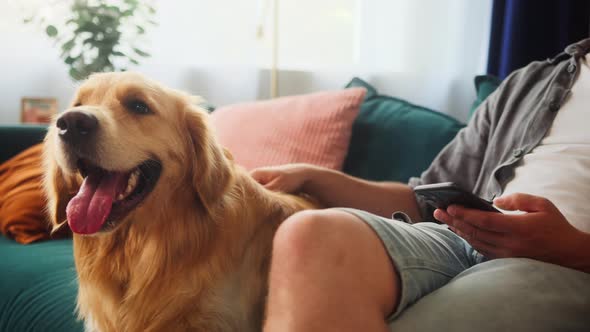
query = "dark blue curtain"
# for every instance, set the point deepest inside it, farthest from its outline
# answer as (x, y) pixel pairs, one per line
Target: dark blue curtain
(528, 30)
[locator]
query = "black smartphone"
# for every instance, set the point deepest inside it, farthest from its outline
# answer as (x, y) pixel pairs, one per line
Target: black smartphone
(441, 195)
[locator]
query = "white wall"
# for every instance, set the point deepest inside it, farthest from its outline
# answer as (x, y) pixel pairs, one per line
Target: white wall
(210, 48)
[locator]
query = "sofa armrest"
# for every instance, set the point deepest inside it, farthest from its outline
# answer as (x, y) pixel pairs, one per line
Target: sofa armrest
(16, 138)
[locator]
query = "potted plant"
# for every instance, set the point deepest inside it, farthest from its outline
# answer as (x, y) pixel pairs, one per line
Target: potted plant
(100, 35)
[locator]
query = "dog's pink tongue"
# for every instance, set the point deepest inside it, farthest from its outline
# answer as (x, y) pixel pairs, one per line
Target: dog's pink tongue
(89, 209)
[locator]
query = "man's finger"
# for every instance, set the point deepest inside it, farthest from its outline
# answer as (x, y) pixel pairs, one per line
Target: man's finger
(472, 233)
(262, 175)
(442, 216)
(523, 202)
(273, 185)
(488, 250)
(491, 221)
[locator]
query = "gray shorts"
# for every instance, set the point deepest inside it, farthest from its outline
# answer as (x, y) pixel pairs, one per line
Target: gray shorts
(511, 294)
(426, 255)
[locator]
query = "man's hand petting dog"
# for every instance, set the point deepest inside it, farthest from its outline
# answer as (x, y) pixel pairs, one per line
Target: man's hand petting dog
(290, 178)
(542, 233)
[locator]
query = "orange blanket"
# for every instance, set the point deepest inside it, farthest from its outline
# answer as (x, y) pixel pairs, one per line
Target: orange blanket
(22, 202)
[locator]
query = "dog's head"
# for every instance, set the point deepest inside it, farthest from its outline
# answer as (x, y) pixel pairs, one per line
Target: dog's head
(127, 143)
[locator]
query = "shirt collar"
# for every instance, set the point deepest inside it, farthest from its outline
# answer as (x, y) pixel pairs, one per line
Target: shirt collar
(578, 49)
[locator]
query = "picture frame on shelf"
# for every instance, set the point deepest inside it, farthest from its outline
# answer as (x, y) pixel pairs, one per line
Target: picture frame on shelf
(37, 110)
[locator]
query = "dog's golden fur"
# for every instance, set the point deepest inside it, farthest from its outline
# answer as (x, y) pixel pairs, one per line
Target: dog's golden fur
(195, 254)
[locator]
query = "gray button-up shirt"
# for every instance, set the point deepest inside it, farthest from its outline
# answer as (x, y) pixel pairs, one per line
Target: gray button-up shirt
(509, 124)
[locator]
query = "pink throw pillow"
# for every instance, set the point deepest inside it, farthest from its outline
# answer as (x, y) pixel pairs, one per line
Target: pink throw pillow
(313, 128)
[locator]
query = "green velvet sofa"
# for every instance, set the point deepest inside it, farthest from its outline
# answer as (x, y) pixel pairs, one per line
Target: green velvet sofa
(392, 140)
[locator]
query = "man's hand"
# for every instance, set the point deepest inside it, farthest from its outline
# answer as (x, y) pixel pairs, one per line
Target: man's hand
(542, 233)
(285, 178)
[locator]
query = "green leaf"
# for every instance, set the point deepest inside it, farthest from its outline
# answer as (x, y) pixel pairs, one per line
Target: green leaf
(89, 40)
(140, 52)
(140, 30)
(117, 53)
(75, 74)
(114, 10)
(69, 60)
(28, 20)
(51, 31)
(68, 45)
(134, 61)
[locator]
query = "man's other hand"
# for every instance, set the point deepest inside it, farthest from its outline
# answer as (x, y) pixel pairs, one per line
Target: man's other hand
(542, 233)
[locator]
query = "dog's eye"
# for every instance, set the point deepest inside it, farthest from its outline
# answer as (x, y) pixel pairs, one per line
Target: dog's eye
(138, 106)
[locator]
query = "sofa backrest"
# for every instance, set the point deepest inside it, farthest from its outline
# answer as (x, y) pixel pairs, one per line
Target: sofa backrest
(16, 138)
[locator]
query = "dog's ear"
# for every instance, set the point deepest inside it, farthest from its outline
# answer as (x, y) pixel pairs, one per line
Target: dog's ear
(59, 189)
(211, 165)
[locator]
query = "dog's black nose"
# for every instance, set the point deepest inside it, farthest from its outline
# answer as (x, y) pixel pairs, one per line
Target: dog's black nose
(74, 125)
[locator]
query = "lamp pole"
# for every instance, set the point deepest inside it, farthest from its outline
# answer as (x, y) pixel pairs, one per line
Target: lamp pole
(274, 41)
(274, 71)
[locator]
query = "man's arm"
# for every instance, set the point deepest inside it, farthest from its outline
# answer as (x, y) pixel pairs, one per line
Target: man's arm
(542, 233)
(382, 198)
(336, 189)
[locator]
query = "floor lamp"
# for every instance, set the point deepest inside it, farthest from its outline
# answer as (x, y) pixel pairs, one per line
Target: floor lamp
(263, 6)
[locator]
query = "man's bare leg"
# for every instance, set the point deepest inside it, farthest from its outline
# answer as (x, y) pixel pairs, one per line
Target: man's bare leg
(329, 272)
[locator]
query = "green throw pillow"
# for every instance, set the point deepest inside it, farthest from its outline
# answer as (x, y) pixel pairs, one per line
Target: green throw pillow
(393, 139)
(484, 86)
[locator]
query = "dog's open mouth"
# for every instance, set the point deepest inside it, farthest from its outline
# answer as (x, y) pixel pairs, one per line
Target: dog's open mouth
(106, 197)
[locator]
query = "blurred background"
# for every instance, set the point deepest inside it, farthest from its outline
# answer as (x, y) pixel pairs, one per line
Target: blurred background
(425, 51)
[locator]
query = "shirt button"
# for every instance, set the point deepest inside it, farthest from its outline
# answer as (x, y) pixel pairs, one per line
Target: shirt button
(517, 153)
(571, 68)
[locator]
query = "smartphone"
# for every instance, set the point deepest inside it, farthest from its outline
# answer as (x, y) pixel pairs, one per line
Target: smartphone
(441, 195)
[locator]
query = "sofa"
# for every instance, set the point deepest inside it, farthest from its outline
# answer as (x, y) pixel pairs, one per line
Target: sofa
(392, 139)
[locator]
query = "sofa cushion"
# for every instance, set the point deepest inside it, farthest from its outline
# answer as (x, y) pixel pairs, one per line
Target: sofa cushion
(393, 139)
(313, 128)
(20, 138)
(38, 287)
(508, 294)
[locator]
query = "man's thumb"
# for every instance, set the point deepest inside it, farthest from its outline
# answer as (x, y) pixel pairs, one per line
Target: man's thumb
(523, 202)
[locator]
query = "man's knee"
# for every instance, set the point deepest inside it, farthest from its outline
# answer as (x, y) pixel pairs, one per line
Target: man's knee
(308, 232)
(325, 266)
(330, 238)
(340, 246)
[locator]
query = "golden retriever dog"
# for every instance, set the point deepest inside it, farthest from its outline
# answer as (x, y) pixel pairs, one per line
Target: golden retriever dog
(169, 234)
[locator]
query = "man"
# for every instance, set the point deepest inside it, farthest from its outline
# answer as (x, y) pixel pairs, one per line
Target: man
(355, 269)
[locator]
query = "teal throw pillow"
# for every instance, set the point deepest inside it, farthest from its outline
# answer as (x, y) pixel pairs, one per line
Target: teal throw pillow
(484, 86)
(393, 139)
